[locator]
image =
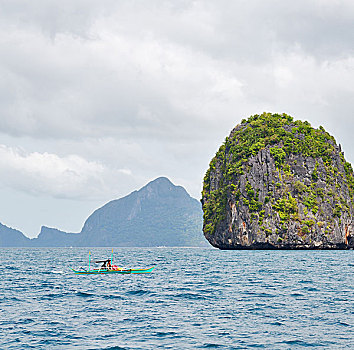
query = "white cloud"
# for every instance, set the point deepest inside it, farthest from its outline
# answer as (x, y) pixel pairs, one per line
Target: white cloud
(48, 174)
(94, 88)
(164, 70)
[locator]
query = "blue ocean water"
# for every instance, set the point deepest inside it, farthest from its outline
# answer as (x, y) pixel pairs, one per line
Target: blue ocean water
(194, 299)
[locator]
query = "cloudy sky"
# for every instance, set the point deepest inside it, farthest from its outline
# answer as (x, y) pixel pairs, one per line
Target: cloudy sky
(99, 97)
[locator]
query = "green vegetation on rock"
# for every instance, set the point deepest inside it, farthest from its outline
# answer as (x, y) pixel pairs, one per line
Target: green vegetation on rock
(272, 181)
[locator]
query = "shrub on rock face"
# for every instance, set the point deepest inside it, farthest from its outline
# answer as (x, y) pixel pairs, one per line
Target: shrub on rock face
(278, 183)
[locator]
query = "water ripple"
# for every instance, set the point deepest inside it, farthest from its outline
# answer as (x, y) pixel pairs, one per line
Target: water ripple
(194, 299)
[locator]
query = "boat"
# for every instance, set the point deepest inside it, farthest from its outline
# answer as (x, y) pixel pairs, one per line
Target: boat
(108, 268)
(108, 271)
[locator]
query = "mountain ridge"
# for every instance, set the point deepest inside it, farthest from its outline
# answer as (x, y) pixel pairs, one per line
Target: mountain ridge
(158, 214)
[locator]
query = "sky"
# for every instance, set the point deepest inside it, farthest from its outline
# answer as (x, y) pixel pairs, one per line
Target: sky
(97, 98)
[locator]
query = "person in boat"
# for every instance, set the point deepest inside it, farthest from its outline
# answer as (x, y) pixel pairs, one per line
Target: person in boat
(106, 264)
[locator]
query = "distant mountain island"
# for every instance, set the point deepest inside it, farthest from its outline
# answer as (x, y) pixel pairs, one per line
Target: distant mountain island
(159, 214)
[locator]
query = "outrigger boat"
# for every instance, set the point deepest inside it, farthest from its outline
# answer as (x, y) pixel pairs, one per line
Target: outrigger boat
(106, 271)
(108, 268)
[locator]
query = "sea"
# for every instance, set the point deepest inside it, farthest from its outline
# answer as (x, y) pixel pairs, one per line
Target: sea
(195, 298)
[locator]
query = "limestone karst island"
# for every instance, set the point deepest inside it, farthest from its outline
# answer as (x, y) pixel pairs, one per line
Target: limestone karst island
(277, 183)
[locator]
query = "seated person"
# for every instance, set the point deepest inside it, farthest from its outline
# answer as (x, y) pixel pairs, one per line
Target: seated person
(106, 264)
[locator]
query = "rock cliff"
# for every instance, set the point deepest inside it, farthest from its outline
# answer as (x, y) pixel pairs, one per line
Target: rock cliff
(10, 237)
(278, 183)
(52, 237)
(159, 214)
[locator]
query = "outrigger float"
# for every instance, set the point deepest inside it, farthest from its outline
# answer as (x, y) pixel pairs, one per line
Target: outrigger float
(108, 268)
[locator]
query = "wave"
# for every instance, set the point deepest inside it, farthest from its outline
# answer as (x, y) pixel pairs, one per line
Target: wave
(139, 292)
(192, 296)
(212, 346)
(112, 296)
(233, 306)
(84, 294)
(301, 343)
(162, 334)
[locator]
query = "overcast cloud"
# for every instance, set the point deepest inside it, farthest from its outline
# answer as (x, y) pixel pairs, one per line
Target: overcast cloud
(98, 98)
